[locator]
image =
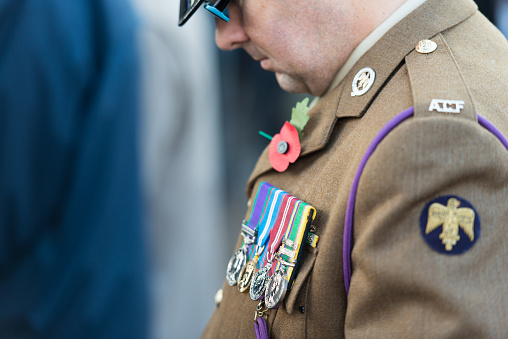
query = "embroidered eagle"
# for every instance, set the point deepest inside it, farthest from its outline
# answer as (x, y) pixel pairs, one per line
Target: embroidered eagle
(451, 218)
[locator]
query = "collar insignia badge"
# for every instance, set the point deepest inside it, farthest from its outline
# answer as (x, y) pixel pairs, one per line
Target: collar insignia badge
(363, 81)
(426, 46)
(448, 228)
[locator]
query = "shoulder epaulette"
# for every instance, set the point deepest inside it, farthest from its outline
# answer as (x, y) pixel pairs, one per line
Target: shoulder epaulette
(437, 83)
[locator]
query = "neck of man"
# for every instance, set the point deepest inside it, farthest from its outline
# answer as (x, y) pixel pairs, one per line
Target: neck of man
(392, 13)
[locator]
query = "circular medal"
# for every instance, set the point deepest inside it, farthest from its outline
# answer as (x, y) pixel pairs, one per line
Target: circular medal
(246, 276)
(235, 265)
(258, 284)
(276, 289)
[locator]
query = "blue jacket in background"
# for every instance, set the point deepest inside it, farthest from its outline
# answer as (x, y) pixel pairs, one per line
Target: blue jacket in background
(72, 259)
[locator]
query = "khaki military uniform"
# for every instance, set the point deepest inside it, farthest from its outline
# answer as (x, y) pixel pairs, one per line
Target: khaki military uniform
(400, 287)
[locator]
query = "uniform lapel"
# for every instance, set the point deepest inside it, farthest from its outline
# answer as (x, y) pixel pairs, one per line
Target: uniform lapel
(316, 132)
(384, 57)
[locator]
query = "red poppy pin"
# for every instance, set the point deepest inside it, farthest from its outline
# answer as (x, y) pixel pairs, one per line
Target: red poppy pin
(285, 147)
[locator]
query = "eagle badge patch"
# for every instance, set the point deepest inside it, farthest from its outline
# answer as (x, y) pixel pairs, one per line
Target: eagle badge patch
(450, 225)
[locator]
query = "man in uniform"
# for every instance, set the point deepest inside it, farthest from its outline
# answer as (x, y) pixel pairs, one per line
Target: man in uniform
(404, 157)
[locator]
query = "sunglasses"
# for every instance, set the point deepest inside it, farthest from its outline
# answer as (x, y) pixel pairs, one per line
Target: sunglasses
(216, 7)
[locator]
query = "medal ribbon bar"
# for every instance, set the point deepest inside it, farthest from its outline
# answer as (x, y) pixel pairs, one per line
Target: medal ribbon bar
(268, 221)
(280, 230)
(239, 258)
(298, 235)
(279, 280)
(264, 227)
(259, 206)
(260, 278)
(289, 243)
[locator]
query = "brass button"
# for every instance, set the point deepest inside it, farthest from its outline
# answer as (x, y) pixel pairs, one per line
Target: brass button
(426, 46)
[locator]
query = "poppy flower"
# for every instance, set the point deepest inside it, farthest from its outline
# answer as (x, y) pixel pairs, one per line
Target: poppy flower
(284, 148)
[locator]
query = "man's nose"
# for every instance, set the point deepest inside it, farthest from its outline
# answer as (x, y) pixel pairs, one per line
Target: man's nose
(230, 35)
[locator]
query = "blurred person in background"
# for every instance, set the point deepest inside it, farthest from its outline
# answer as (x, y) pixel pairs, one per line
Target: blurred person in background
(72, 252)
(487, 7)
(183, 176)
(501, 16)
(496, 11)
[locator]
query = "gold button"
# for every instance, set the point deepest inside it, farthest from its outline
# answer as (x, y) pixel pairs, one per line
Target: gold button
(426, 46)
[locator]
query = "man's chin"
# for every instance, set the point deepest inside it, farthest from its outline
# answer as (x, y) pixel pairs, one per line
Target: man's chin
(290, 84)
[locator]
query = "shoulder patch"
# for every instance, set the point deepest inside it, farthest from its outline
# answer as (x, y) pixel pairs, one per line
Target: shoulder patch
(450, 225)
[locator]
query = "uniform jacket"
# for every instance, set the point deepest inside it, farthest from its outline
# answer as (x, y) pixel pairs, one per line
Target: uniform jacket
(400, 287)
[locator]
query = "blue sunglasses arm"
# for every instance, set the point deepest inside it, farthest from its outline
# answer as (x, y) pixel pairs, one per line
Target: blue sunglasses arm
(219, 10)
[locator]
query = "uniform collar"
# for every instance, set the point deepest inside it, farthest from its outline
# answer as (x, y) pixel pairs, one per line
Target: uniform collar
(384, 57)
(368, 42)
(388, 53)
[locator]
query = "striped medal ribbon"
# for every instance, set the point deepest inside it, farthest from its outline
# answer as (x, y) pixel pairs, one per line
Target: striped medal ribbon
(249, 232)
(289, 256)
(268, 218)
(261, 277)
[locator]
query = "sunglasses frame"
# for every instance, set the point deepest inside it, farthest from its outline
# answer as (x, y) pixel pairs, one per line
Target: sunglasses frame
(188, 8)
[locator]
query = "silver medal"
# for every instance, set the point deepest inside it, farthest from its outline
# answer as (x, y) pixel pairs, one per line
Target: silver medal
(235, 265)
(258, 284)
(276, 289)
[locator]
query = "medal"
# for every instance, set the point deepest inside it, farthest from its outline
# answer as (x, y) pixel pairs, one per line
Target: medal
(246, 276)
(287, 250)
(290, 253)
(276, 289)
(278, 284)
(239, 258)
(265, 225)
(235, 265)
(276, 234)
(258, 284)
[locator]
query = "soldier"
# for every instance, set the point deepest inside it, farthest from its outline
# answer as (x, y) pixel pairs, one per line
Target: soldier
(404, 158)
